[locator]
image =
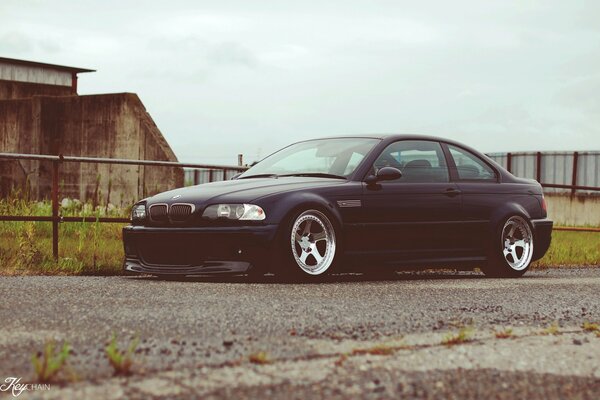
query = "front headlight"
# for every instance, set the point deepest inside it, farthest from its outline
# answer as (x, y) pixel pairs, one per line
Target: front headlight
(238, 212)
(138, 212)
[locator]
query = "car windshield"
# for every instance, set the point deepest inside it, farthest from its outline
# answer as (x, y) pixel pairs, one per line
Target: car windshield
(323, 157)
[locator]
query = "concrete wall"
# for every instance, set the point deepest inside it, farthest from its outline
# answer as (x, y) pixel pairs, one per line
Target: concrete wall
(111, 126)
(578, 210)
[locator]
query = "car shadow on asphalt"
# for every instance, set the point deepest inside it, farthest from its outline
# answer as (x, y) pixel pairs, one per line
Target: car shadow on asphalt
(328, 279)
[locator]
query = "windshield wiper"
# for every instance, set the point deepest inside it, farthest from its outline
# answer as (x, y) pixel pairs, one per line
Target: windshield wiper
(316, 175)
(259, 176)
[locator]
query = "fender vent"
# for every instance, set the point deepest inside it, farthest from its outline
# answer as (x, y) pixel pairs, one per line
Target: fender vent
(349, 203)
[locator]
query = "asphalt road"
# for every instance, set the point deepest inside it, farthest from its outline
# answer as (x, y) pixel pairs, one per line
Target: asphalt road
(349, 337)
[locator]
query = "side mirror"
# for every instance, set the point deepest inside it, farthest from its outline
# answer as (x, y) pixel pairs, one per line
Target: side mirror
(384, 174)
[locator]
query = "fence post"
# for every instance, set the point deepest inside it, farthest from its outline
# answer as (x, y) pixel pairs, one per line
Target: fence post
(509, 162)
(538, 172)
(574, 180)
(210, 175)
(55, 219)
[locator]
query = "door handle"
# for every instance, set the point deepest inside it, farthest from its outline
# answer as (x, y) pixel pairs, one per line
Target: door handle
(451, 192)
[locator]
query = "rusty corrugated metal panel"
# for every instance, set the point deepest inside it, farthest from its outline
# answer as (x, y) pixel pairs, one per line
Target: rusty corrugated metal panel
(34, 74)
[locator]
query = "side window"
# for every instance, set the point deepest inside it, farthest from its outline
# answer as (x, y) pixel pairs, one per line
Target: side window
(420, 161)
(469, 166)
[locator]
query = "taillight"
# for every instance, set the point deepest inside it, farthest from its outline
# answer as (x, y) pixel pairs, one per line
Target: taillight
(544, 206)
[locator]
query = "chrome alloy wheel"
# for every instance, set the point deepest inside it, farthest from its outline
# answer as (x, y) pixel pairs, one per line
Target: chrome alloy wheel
(517, 243)
(313, 242)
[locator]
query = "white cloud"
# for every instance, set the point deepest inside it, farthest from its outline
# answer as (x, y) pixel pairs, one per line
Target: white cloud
(222, 78)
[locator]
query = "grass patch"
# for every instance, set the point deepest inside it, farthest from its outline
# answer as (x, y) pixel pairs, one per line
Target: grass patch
(49, 363)
(121, 360)
(84, 248)
(590, 327)
(504, 334)
(572, 248)
(552, 329)
(260, 357)
(464, 335)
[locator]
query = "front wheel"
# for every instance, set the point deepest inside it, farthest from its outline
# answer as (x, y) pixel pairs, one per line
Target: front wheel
(512, 249)
(311, 245)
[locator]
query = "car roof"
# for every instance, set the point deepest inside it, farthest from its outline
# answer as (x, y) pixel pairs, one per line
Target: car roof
(390, 137)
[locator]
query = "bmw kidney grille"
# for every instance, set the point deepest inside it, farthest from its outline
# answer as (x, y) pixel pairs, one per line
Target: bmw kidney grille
(174, 213)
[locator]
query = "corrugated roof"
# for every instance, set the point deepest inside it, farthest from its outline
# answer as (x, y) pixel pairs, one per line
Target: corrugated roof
(44, 65)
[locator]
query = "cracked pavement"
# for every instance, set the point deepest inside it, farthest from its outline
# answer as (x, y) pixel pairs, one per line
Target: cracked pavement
(352, 336)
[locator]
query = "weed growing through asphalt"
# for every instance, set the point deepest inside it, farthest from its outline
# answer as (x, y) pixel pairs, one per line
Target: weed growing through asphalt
(377, 350)
(552, 329)
(341, 360)
(504, 334)
(260, 357)
(464, 335)
(591, 327)
(50, 362)
(121, 360)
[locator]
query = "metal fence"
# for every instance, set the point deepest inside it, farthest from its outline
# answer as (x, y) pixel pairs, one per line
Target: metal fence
(558, 172)
(195, 176)
(213, 171)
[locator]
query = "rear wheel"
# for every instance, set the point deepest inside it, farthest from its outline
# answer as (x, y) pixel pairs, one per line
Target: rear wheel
(311, 244)
(512, 249)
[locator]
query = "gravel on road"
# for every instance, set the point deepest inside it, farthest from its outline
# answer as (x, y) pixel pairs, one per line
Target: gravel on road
(350, 336)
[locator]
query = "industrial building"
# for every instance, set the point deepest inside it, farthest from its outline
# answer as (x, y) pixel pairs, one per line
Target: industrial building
(41, 113)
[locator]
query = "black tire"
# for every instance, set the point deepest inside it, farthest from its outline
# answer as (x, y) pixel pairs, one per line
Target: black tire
(511, 249)
(313, 252)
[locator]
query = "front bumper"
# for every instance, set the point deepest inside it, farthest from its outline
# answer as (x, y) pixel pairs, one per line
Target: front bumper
(196, 251)
(542, 233)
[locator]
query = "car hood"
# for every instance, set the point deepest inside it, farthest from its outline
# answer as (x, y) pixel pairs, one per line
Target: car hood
(240, 190)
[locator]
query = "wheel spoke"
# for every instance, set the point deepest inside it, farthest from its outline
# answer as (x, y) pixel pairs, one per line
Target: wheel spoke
(520, 243)
(320, 236)
(513, 253)
(506, 252)
(316, 254)
(307, 227)
(512, 231)
(303, 256)
(297, 237)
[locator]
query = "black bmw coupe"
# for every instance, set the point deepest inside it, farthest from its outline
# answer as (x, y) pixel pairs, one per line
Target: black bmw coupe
(346, 203)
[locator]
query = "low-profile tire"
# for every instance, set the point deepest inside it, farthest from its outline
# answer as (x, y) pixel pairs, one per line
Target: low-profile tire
(511, 250)
(309, 244)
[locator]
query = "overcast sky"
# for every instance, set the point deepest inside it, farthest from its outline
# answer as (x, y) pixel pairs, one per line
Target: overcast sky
(228, 77)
